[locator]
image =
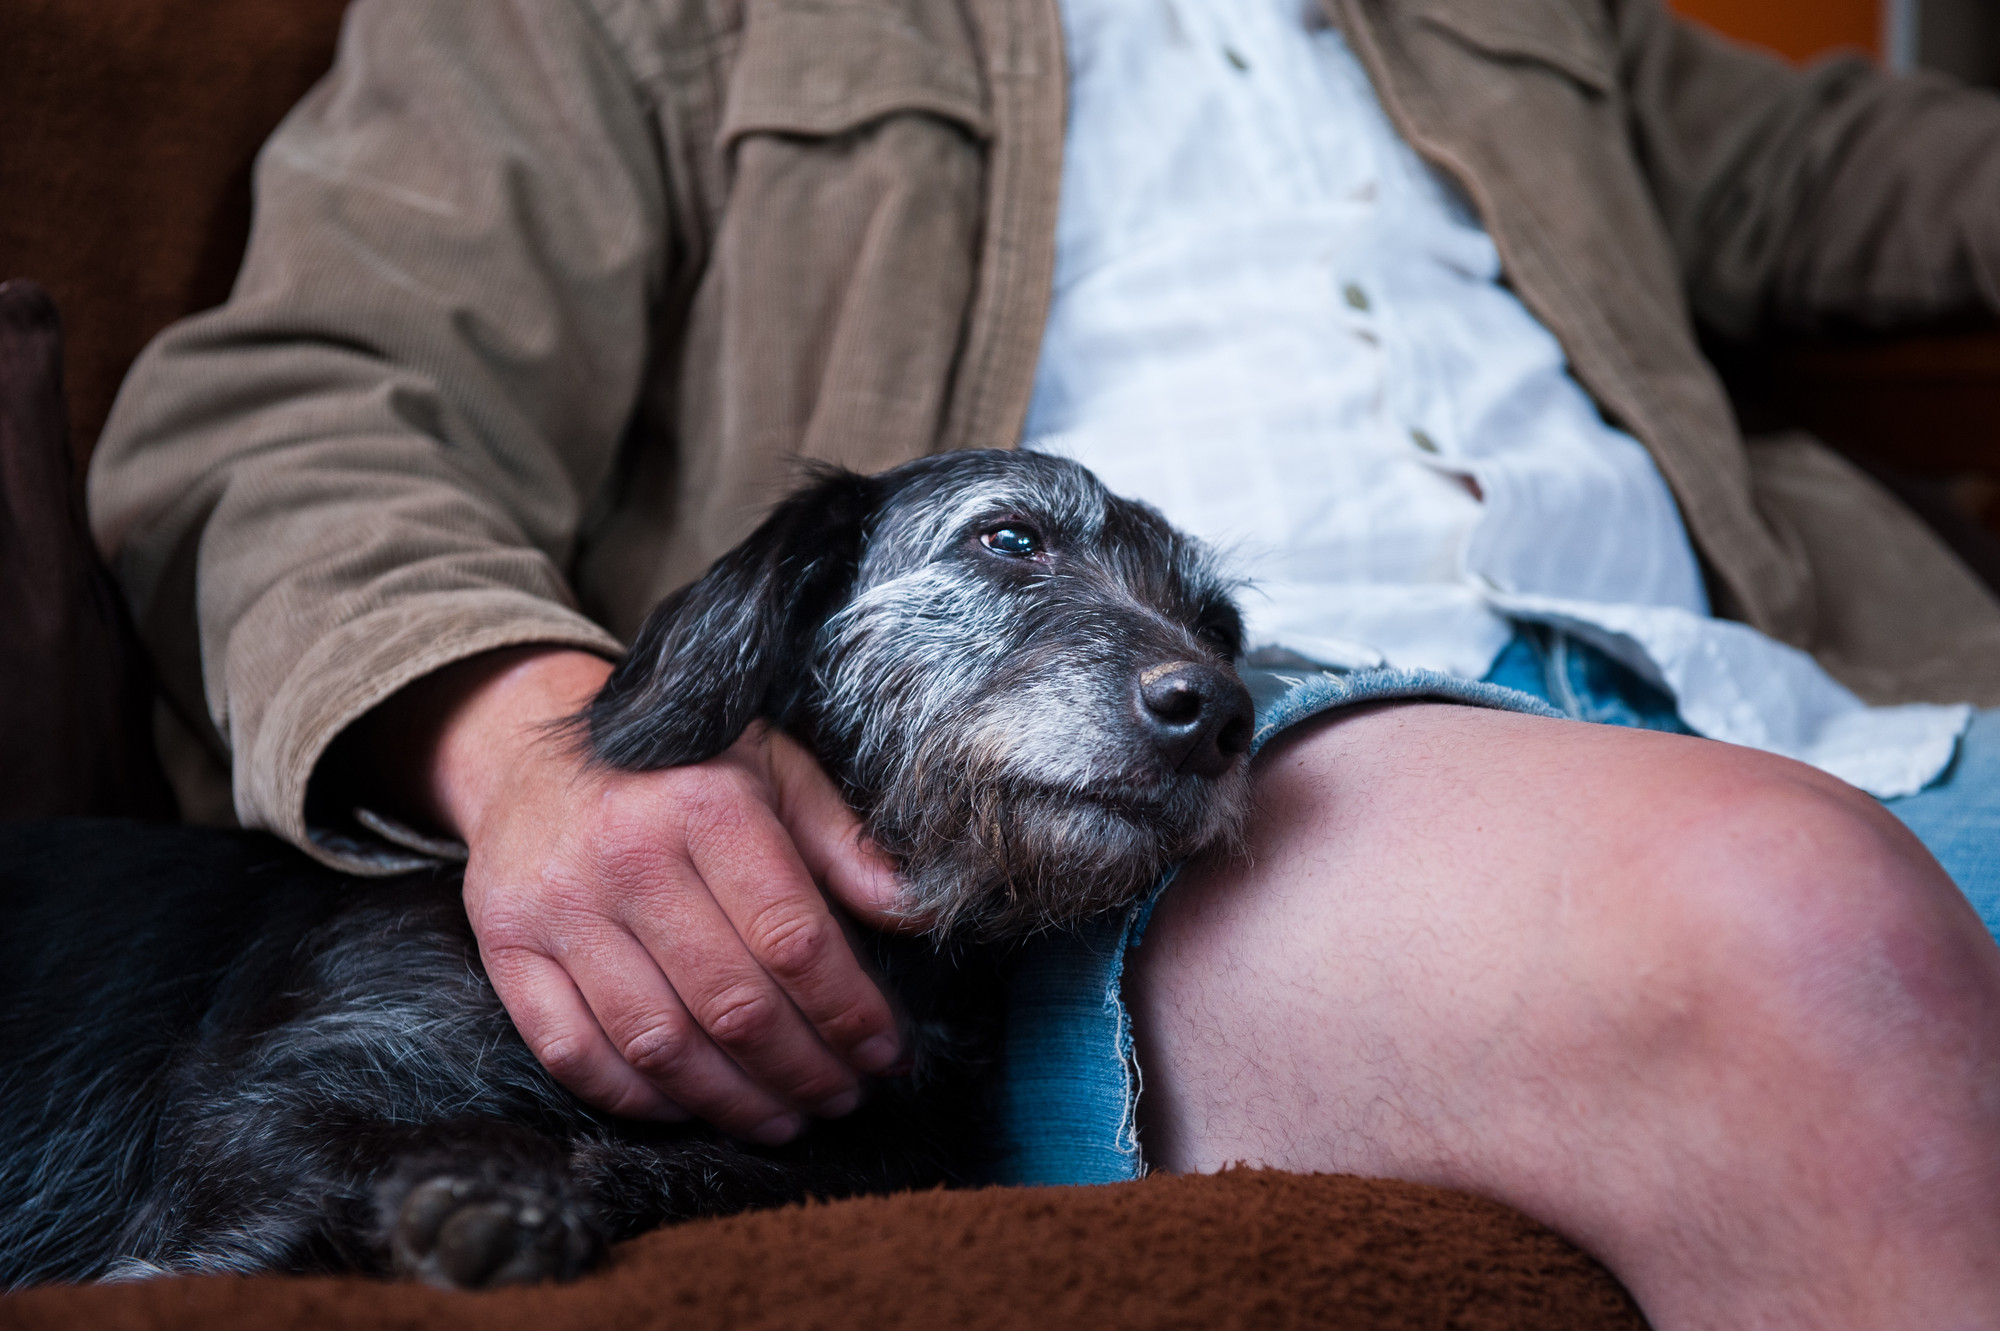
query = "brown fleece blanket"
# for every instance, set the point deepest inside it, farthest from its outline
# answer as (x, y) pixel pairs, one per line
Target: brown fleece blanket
(1241, 1249)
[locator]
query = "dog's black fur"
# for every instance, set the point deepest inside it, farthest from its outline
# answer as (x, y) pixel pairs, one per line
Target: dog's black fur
(220, 1056)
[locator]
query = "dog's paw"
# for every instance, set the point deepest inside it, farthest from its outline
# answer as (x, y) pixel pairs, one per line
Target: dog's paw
(465, 1232)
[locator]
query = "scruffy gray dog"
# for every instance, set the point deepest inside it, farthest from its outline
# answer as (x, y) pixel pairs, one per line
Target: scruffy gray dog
(219, 1056)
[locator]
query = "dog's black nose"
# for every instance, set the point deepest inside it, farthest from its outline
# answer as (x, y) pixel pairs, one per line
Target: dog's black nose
(1200, 717)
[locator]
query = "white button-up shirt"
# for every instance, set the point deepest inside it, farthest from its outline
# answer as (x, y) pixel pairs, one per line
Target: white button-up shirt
(1276, 323)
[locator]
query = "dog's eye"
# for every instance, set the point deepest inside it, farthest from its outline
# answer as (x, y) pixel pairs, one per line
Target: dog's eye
(1222, 631)
(1020, 542)
(1222, 640)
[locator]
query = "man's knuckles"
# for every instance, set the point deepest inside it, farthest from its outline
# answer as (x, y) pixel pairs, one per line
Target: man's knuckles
(725, 809)
(743, 1017)
(662, 1048)
(513, 935)
(567, 1058)
(668, 1051)
(857, 1022)
(792, 940)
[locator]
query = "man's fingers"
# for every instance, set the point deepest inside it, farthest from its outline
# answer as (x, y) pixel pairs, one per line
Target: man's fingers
(735, 995)
(563, 1034)
(756, 875)
(652, 1031)
(830, 839)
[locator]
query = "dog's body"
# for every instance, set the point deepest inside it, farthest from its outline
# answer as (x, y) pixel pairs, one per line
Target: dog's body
(224, 1057)
(221, 1056)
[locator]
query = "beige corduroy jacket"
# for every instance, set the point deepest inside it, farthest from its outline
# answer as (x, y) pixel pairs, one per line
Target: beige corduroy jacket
(544, 297)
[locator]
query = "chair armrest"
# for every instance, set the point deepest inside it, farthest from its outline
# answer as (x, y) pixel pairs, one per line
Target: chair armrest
(1920, 413)
(1924, 406)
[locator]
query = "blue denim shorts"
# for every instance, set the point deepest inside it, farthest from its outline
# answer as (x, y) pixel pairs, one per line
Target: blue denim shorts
(1070, 1084)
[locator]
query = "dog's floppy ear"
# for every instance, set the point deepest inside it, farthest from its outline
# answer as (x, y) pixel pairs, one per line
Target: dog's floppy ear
(736, 644)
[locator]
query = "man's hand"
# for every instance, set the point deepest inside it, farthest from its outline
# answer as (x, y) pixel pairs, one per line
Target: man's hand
(657, 937)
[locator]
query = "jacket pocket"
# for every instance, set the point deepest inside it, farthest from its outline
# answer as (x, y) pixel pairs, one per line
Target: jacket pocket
(825, 67)
(1555, 34)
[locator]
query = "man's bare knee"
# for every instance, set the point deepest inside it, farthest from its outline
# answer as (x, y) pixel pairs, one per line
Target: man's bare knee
(1610, 978)
(1792, 907)
(1656, 992)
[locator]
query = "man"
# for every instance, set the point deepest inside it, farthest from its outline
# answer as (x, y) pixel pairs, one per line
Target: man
(544, 299)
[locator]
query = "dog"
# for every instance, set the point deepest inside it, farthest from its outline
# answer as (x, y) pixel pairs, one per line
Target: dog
(220, 1056)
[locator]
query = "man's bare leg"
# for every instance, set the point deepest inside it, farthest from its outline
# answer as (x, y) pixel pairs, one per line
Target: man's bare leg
(1715, 1016)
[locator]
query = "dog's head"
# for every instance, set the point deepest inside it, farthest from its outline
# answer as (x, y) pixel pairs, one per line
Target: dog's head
(1022, 681)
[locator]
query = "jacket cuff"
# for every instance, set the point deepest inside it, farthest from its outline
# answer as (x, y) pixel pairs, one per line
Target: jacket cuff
(348, 673)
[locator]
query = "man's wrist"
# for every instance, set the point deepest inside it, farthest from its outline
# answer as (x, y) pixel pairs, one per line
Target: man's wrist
(439, 750)
(495, 716)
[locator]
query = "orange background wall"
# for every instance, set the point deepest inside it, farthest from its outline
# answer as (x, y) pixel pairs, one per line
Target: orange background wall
(1798, 28)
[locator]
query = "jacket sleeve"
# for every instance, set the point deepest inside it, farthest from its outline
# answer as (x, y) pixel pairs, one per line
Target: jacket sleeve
(374, 458)
(1835, 195)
